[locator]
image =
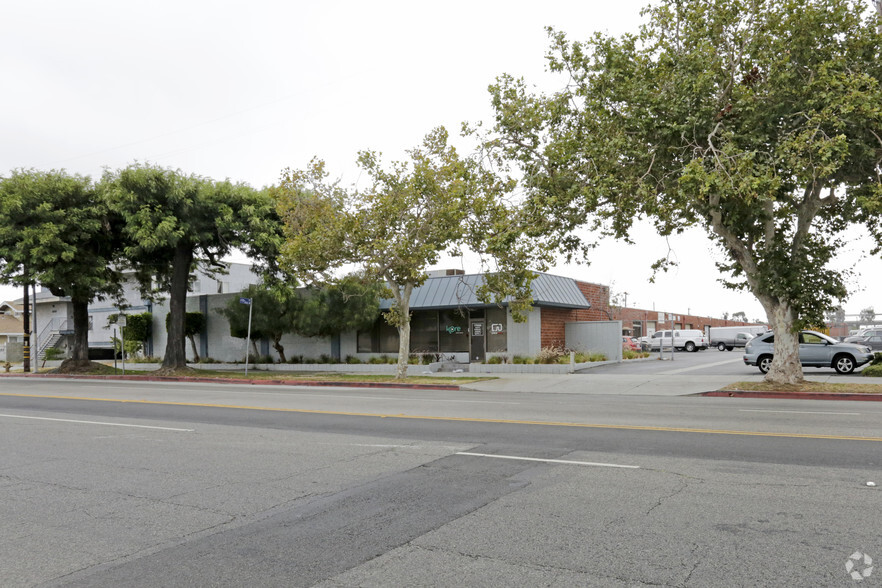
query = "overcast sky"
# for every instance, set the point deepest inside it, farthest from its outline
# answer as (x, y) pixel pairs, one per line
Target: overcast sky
(241, 90)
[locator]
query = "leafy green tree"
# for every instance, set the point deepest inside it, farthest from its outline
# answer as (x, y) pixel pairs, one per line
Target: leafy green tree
(138, 329)
(350, 303)
(56, 232)
(274, 311)
(758, 120)
(279, 308)
(174, 222)
(739, 316)
(410, 213)
(868, 315)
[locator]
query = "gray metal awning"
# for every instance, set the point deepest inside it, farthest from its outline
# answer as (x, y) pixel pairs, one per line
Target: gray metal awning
(446, 292)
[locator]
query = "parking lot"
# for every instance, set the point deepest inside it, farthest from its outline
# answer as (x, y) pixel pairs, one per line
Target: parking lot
(709, 362)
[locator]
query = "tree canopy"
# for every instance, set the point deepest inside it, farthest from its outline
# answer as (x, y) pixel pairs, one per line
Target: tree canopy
(56, 232)
(280, 308)
(174, 221)
(410, 213)
(759, 120)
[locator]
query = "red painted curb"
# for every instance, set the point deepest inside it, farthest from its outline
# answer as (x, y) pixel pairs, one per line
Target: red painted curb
(794, 395)
(240, 381)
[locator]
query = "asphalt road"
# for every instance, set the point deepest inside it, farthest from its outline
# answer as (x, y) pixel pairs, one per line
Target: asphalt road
(128, 484)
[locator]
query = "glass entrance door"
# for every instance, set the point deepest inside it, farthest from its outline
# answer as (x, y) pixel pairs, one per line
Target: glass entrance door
(477, 335)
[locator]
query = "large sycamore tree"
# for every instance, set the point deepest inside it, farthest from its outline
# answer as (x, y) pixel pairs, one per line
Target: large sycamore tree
(175, 221)
(758, 120)
(408, 215)
(55, 231)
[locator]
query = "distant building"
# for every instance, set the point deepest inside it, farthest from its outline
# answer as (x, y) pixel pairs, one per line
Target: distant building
(11, 332)
(639, 322)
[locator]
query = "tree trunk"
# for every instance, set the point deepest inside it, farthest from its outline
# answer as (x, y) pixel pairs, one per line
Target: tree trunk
(256, 352)
(403, 300)
(277, 345)
(80, 352)
(175, 353)
(785, 368)
(193, 346)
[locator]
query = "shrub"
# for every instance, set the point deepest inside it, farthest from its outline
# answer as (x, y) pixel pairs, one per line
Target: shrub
(874, 370)
(351, 359)
(206, 360)
(325, 358)
(519, 359)
(52, 354)
(494, 360)
(630, 354)
(549, 355)
(877, 358)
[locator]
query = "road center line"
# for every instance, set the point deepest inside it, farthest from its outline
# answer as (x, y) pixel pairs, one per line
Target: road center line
(17, 416)
(564, 461)
(458, 419)
(796, 411)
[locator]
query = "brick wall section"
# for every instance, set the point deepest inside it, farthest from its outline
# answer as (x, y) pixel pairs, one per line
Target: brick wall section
(630, 315)
(555, 319)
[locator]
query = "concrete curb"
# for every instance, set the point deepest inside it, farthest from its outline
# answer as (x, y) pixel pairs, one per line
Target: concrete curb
(793, 395)
(202, 380)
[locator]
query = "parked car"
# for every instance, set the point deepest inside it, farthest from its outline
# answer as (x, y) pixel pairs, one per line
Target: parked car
(863, 335)
(728, 338)
(688, 339)
(815, 350)
(874, 342)
(630, 343)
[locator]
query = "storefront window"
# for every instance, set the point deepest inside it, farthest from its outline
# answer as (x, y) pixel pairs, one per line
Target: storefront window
(497, 330)
(424, 332)
(453, 331)
(388, 337)
(381, 338)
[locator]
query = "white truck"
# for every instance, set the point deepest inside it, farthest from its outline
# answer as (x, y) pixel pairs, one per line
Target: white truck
(728, 338)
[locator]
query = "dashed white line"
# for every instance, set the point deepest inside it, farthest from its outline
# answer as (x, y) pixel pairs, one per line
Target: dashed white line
(796, 411)
(563, 461)
(16, 416)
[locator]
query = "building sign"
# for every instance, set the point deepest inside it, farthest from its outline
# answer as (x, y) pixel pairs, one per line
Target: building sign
(477, 329)
(496, 328)
(453, 329)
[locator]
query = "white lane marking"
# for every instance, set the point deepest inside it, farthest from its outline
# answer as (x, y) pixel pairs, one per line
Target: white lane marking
(702, 366)
(332, 389)
(16, 416)
(795, 411)
(584, 463)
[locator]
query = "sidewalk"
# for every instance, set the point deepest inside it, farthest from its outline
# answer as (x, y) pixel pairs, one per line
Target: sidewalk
(648, 385)
(622, 385)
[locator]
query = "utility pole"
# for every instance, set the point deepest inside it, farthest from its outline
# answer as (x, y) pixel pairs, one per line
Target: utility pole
(26, 347)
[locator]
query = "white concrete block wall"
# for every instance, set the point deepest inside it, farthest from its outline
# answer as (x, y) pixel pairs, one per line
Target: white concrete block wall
(525, 338)
(596, 337)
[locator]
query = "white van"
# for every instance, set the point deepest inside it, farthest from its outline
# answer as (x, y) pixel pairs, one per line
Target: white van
(688, 339)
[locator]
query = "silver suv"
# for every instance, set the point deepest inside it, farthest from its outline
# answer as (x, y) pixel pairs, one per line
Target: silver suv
(815, 350)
